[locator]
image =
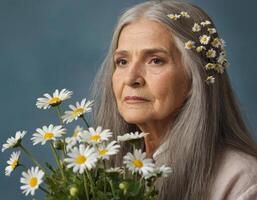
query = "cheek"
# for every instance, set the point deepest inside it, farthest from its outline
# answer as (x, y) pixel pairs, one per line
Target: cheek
(116, 85)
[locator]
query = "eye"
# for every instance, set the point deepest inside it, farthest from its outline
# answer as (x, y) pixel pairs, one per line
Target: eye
(120, 62)
(157, 61)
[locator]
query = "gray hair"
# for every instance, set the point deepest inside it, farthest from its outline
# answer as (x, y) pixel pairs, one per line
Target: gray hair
(208, 122)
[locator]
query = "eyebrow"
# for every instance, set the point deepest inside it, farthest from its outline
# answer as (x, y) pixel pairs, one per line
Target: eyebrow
(145, 51)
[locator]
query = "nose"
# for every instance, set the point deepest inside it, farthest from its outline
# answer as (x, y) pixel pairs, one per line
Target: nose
(135, 75)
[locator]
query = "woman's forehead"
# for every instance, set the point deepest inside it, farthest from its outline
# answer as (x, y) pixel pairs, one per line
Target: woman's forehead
(144, 34)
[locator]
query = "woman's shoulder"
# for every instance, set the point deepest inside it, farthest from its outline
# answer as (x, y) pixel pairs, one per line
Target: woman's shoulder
(236, 176)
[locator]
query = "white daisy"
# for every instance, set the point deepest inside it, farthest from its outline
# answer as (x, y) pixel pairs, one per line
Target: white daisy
(162, 171)
(212, 30)
(184, 14)
(190, 44)
(12, 163)
(77, 111)
(216, 42)
(13, 142)
(115, 170)
(105, 152)
(92, 136)
(200, 48)
(204, 39)
(219, 68)
(196, 27)
(211, 53)
(138, 162)
(209, 66)
(81, 158)
(70, 143)
(205, 23)
(131, 136)
(210, 79)
(45, 134)
(174, 16)
(58, 97)
(31, 180)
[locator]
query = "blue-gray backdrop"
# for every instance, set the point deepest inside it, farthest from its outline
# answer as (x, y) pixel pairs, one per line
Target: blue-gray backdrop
(50, 44)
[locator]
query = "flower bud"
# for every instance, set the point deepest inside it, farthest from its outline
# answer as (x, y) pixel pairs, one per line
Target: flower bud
(58, 144)
(74, 191)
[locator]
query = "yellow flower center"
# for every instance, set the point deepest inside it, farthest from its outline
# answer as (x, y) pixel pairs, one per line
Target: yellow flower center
(33, 182)
(55, 101)
(95, 137)
(14, 164)
(103, 152)
(48, 135)
(138, 163)
(78, 112)
(80, 159)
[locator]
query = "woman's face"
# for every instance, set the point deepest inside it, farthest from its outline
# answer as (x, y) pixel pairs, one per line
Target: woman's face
(149, 81)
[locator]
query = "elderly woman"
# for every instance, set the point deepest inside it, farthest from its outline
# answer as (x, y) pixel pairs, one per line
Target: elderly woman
(165, 74)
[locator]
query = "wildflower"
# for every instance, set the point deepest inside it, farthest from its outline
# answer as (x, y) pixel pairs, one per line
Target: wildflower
(200, 49)
(115, 170)
(13, 142)
(216, 42)
(58, 97)
(219, 68)
(81, 158)
(212, 30)
(190, 44)
(47, 133)
(12, 163)
(184, 14)
(211, 53)
(204, 39)
(174, 17)
(210, 79)
(105, 152)
(205, 23)
(31, 180)
(97, 136)
(196, 27)
(138, 163)
(131, 136)
(77, 111)
(209, 66)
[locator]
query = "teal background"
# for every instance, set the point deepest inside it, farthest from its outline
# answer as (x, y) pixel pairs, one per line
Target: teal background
(49, 44)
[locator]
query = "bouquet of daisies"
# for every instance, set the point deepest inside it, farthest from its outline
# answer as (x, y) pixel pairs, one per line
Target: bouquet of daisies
(81, 170)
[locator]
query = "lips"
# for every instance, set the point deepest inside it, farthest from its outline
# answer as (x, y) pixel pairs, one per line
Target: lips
(135, 99)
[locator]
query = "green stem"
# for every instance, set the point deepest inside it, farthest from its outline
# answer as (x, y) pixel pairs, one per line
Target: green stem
(91, 184)
(62, 123)
(57, 159)
(32, 157)
(85, 185)
(104, 176)
(111, 185)
(83, 118)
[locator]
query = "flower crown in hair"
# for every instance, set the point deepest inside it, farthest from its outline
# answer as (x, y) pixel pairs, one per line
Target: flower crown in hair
(208, 45)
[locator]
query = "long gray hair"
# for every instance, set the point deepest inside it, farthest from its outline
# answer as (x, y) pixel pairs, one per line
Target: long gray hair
(208, 121)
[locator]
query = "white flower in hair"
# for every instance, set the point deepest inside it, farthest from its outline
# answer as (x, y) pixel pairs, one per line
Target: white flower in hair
(200, 49)
(216, 42)
(196, 27)
(204, 39)
(174, 16)
(205, 23)
(210, 79)
(212, 30)
(184, 14)
(190, 44)
(209, 66)
(219, 68)
(211, 53)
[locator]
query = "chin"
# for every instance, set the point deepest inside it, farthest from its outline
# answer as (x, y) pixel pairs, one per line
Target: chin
(134, 119)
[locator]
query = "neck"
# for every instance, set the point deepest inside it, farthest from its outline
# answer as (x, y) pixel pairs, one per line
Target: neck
(153, 140)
